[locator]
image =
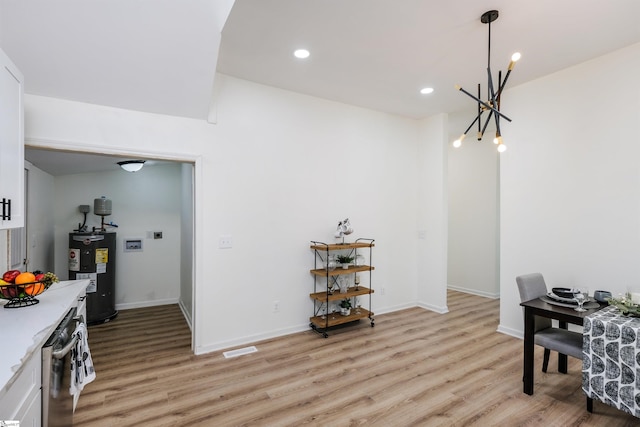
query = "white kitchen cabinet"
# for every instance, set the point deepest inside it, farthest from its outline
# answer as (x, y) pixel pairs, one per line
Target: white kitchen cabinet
(31, 416)
(27, 330)
(22, 400)
(12, 210)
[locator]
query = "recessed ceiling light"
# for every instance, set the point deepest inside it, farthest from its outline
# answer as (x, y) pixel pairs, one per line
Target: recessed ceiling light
(301, 53)
(426, 90)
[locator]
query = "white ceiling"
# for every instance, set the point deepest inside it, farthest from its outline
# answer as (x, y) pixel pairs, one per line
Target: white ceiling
(160, 56)
(379, 53)
(68, 163)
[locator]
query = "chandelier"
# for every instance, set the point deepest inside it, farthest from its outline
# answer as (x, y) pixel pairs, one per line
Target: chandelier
(492, 105)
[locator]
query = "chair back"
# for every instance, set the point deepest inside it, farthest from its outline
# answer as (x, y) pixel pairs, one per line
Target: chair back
(532, 286)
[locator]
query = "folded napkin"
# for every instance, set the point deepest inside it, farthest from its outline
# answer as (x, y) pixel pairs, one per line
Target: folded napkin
(82, 371)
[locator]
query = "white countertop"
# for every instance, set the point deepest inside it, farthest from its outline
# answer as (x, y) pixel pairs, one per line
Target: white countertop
(25, 329)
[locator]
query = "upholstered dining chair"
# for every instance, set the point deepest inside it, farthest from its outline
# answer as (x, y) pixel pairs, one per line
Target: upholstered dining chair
(532, 286)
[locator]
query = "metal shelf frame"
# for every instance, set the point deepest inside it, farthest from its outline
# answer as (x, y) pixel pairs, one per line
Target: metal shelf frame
(321, 322)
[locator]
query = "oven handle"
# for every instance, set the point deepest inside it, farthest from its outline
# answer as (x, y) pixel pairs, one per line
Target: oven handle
(60, 354)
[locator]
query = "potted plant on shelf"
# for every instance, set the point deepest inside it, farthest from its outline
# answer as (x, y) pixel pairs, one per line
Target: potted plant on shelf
(345, 307)
(344, 260)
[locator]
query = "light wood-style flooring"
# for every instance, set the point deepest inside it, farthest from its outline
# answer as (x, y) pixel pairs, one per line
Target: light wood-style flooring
(414, 368)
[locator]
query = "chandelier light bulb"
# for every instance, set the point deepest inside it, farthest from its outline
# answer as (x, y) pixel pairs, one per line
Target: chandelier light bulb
(514, 58)
(458, 142)
(502, 148)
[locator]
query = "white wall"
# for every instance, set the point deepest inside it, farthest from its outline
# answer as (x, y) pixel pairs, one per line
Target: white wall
(569, 181)
(186, 240)
(473, 207)
(278, 170)
(40, 219)
(431, 199)
(142, 202)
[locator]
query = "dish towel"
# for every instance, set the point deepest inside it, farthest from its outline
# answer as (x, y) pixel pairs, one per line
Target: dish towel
(82, 371)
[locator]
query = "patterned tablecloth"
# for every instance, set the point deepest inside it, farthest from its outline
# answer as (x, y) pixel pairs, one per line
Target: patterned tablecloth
(611, 359)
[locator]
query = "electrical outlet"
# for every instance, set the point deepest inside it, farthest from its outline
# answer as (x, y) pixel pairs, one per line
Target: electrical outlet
(225, 242)
(383, 291)
(276, 306)
(157, 234)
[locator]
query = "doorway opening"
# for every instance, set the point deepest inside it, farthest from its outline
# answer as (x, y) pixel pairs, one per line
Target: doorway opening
(156, 203)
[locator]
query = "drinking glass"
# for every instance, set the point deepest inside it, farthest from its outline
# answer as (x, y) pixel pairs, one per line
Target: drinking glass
(581, 297)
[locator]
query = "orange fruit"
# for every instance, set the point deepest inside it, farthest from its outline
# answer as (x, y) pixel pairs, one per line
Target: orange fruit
(25, 277)
(35, 289)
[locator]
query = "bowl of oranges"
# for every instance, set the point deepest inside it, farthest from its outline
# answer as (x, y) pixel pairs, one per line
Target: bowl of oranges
(21, 288)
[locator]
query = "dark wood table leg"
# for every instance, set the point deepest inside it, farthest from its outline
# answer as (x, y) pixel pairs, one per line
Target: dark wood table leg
(529, 327)
(562, 358)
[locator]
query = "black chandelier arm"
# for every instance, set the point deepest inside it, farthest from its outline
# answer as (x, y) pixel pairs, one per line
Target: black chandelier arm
(477, 119)
(487, 106)
(479, 113)
(495, 101)
(500, 86)
(486, 122)
(498, 133)
(492, 94)
(504, 83)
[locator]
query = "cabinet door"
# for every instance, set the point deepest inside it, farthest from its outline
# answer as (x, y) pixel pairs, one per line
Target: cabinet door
(24, 392)
(11, 143)
(31, 415)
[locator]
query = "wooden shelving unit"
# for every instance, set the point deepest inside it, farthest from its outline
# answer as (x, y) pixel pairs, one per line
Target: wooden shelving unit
(325, 295)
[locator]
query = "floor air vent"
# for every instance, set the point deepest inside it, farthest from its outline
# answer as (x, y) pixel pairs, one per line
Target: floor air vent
(239, 352)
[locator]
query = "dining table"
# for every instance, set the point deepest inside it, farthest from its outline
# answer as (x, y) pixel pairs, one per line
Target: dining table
(544, 307)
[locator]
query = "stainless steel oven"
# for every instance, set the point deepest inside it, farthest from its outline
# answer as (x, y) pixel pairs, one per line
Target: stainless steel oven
(57, 401)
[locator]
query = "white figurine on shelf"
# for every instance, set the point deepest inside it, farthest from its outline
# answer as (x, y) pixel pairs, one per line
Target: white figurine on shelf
(344, 229)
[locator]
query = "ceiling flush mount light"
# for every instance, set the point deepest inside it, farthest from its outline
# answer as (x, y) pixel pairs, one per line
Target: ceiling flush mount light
(492, 105)
(301, 53)
(131, 165)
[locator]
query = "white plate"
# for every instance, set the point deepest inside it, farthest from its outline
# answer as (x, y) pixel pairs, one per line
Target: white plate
(567, 300)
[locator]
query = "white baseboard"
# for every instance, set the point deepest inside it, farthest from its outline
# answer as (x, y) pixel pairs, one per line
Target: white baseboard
(474, 292)
(141, 304)
(185, 313)
(436, 308)
(510, 331)
(250, 339)
(253, 339)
